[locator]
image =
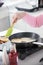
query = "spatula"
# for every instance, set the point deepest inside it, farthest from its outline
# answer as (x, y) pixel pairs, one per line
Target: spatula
(9, 31)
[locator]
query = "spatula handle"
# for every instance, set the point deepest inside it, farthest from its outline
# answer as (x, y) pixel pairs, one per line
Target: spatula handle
(14, 21)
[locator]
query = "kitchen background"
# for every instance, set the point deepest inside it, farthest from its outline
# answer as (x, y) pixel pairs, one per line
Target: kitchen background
(7, 11)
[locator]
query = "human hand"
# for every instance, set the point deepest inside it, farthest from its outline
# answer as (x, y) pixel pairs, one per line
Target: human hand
(18, 16)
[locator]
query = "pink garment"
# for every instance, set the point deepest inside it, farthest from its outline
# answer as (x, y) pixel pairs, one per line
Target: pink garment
(39, 20)
(34, 21)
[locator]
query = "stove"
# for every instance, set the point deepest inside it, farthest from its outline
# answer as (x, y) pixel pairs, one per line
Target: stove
(26, 51)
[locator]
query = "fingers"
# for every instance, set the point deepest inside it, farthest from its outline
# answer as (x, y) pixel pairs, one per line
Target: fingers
(21, 15)
(18, 16)
(14, 19)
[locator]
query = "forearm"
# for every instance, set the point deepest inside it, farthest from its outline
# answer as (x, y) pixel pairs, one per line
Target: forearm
(34, 21)
(30, 20)
(39, 20)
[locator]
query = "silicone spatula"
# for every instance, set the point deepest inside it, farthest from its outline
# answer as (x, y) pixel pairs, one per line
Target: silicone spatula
(9, 31)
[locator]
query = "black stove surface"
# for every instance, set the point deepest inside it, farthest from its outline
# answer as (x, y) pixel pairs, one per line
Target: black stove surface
(24, 52)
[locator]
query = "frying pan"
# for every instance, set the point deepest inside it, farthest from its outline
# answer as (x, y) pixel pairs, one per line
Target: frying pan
(27, 35)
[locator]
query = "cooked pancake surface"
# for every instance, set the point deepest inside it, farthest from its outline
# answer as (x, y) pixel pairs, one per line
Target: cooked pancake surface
(19, 40)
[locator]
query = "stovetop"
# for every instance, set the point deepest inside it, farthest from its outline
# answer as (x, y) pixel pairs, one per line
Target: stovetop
(25, 52)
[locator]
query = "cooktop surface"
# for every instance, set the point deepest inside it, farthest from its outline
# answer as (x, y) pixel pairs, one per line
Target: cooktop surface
(32, 59)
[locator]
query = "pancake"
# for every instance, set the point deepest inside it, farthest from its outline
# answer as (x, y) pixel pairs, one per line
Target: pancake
(19, 40)
(27, 39)
(16, 40)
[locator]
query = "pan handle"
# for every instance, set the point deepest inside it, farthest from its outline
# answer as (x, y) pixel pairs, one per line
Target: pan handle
(39, 42)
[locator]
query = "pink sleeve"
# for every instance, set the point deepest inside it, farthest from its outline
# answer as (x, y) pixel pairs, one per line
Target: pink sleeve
(40, 20)
(34, 21)
(30, 20)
